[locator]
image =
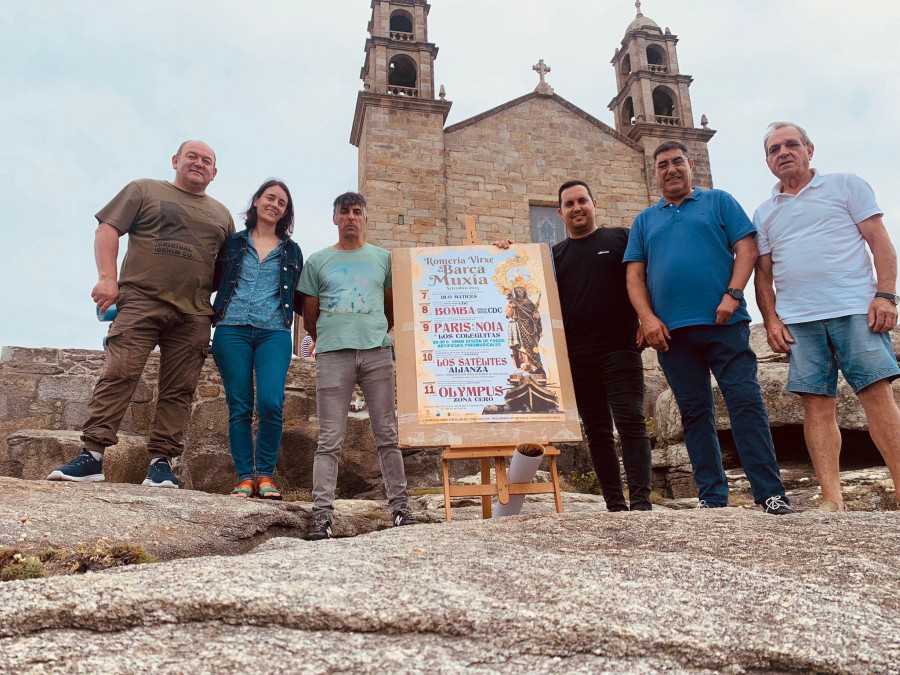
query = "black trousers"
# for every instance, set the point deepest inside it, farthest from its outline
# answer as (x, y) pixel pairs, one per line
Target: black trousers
(610, 386)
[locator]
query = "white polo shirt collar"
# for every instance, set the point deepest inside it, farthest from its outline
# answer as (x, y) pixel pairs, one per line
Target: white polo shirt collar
(816, 181)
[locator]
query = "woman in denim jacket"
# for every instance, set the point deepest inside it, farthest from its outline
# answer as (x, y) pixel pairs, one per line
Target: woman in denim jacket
(256, 276)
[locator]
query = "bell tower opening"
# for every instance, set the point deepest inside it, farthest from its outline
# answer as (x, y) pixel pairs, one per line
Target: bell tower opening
(656, 59)
(402, 76)
(402, 26)
(664, 106)
(628, 112)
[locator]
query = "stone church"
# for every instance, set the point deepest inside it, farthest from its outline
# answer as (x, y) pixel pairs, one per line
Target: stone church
(504, 166)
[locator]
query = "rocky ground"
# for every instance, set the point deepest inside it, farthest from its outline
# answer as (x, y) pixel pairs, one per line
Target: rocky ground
(683, 591)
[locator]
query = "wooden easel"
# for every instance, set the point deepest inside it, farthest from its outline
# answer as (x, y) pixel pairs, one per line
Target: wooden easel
(471, 238)
(502, 488)
(496, 453)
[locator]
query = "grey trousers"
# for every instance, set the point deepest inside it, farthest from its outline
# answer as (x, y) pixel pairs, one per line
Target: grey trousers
(336, 374)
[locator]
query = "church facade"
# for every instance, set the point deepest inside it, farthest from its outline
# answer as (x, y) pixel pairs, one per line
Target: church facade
(504, 166)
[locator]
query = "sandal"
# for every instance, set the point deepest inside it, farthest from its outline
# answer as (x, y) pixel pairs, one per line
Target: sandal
(265, 489)
(243, 490)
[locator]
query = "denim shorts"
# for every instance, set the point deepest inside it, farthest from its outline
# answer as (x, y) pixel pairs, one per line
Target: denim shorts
(845, 342)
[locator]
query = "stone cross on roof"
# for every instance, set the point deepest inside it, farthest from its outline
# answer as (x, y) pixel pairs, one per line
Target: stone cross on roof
(542, 69)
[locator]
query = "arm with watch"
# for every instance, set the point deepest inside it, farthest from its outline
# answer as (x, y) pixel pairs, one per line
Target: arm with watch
(745, 254)
(883, 308)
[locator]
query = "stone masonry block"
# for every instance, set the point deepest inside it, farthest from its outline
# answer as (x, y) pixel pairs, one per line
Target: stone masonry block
(66, 387)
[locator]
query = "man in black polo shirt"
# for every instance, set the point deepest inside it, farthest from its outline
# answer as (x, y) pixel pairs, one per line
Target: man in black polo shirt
(601, 328)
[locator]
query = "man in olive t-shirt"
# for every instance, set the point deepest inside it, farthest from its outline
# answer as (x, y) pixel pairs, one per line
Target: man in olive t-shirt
(162, 295)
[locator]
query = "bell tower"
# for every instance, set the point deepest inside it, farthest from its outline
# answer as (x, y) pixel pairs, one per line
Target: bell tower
(653, 104)
(398, 127)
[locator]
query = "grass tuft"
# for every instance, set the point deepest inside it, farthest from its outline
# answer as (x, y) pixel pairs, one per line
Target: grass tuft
(374, 515)
(92, 557)
(421, 491)
(15, 565)
(585, 483)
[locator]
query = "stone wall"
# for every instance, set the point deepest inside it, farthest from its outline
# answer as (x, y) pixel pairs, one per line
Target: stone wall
(401, 173)
(48, 389)
(500, 163)
(43, 405)
(44, 394)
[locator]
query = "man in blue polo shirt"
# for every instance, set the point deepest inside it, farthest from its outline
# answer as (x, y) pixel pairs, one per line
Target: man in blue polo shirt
(689, 258)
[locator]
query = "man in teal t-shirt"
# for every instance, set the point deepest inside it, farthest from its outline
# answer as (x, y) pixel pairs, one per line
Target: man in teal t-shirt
(348, 310)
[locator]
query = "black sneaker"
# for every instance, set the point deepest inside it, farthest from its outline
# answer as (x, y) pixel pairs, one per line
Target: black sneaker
(777, 506)
(641, 506)
(403, 516)
(159, 474)
(321, 530)
(82, 469)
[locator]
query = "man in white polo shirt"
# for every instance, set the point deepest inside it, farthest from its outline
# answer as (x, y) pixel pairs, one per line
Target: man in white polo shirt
(829, 311)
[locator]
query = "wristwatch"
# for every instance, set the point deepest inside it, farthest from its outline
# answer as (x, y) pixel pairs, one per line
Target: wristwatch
(889, 296)
(735, 293)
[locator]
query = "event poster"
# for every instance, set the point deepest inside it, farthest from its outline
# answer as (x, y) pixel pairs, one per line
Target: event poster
(484, 350)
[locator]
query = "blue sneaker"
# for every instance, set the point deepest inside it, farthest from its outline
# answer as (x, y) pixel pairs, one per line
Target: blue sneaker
(82, 469)
(159, 474)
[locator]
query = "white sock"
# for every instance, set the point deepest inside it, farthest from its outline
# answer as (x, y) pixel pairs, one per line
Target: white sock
(96, 455)
(154, 460)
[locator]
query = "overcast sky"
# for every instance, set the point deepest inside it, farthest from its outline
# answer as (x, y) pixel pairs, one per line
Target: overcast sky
(96, 93)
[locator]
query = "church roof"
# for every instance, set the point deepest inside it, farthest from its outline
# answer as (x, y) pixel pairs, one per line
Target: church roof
(642, 22)
(561, 101)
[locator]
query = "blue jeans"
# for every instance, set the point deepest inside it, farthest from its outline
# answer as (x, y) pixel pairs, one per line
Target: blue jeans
(240, 351)
(337, 373)
(693, 352)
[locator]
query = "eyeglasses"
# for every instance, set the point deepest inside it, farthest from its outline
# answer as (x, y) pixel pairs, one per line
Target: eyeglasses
(678, 161)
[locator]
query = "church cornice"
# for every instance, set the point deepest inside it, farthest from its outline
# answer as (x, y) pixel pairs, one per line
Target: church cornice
(402, 46)
(367, 99)
(658, 78)
(405, 3)
(641, 129)
(561, 101)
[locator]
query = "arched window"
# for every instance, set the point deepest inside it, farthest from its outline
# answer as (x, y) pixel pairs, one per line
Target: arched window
(664, 106)
(401, 26)
(628, 112)
(402, 76)
(656, 58)
(626, 65)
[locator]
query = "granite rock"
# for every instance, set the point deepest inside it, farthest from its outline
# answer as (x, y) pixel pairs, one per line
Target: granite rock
(168, 523)
(723, 591)
(784, 408)
(34, 453)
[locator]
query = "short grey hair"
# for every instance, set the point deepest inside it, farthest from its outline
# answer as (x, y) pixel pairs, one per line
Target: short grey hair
(775, 126)
(348, 199)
